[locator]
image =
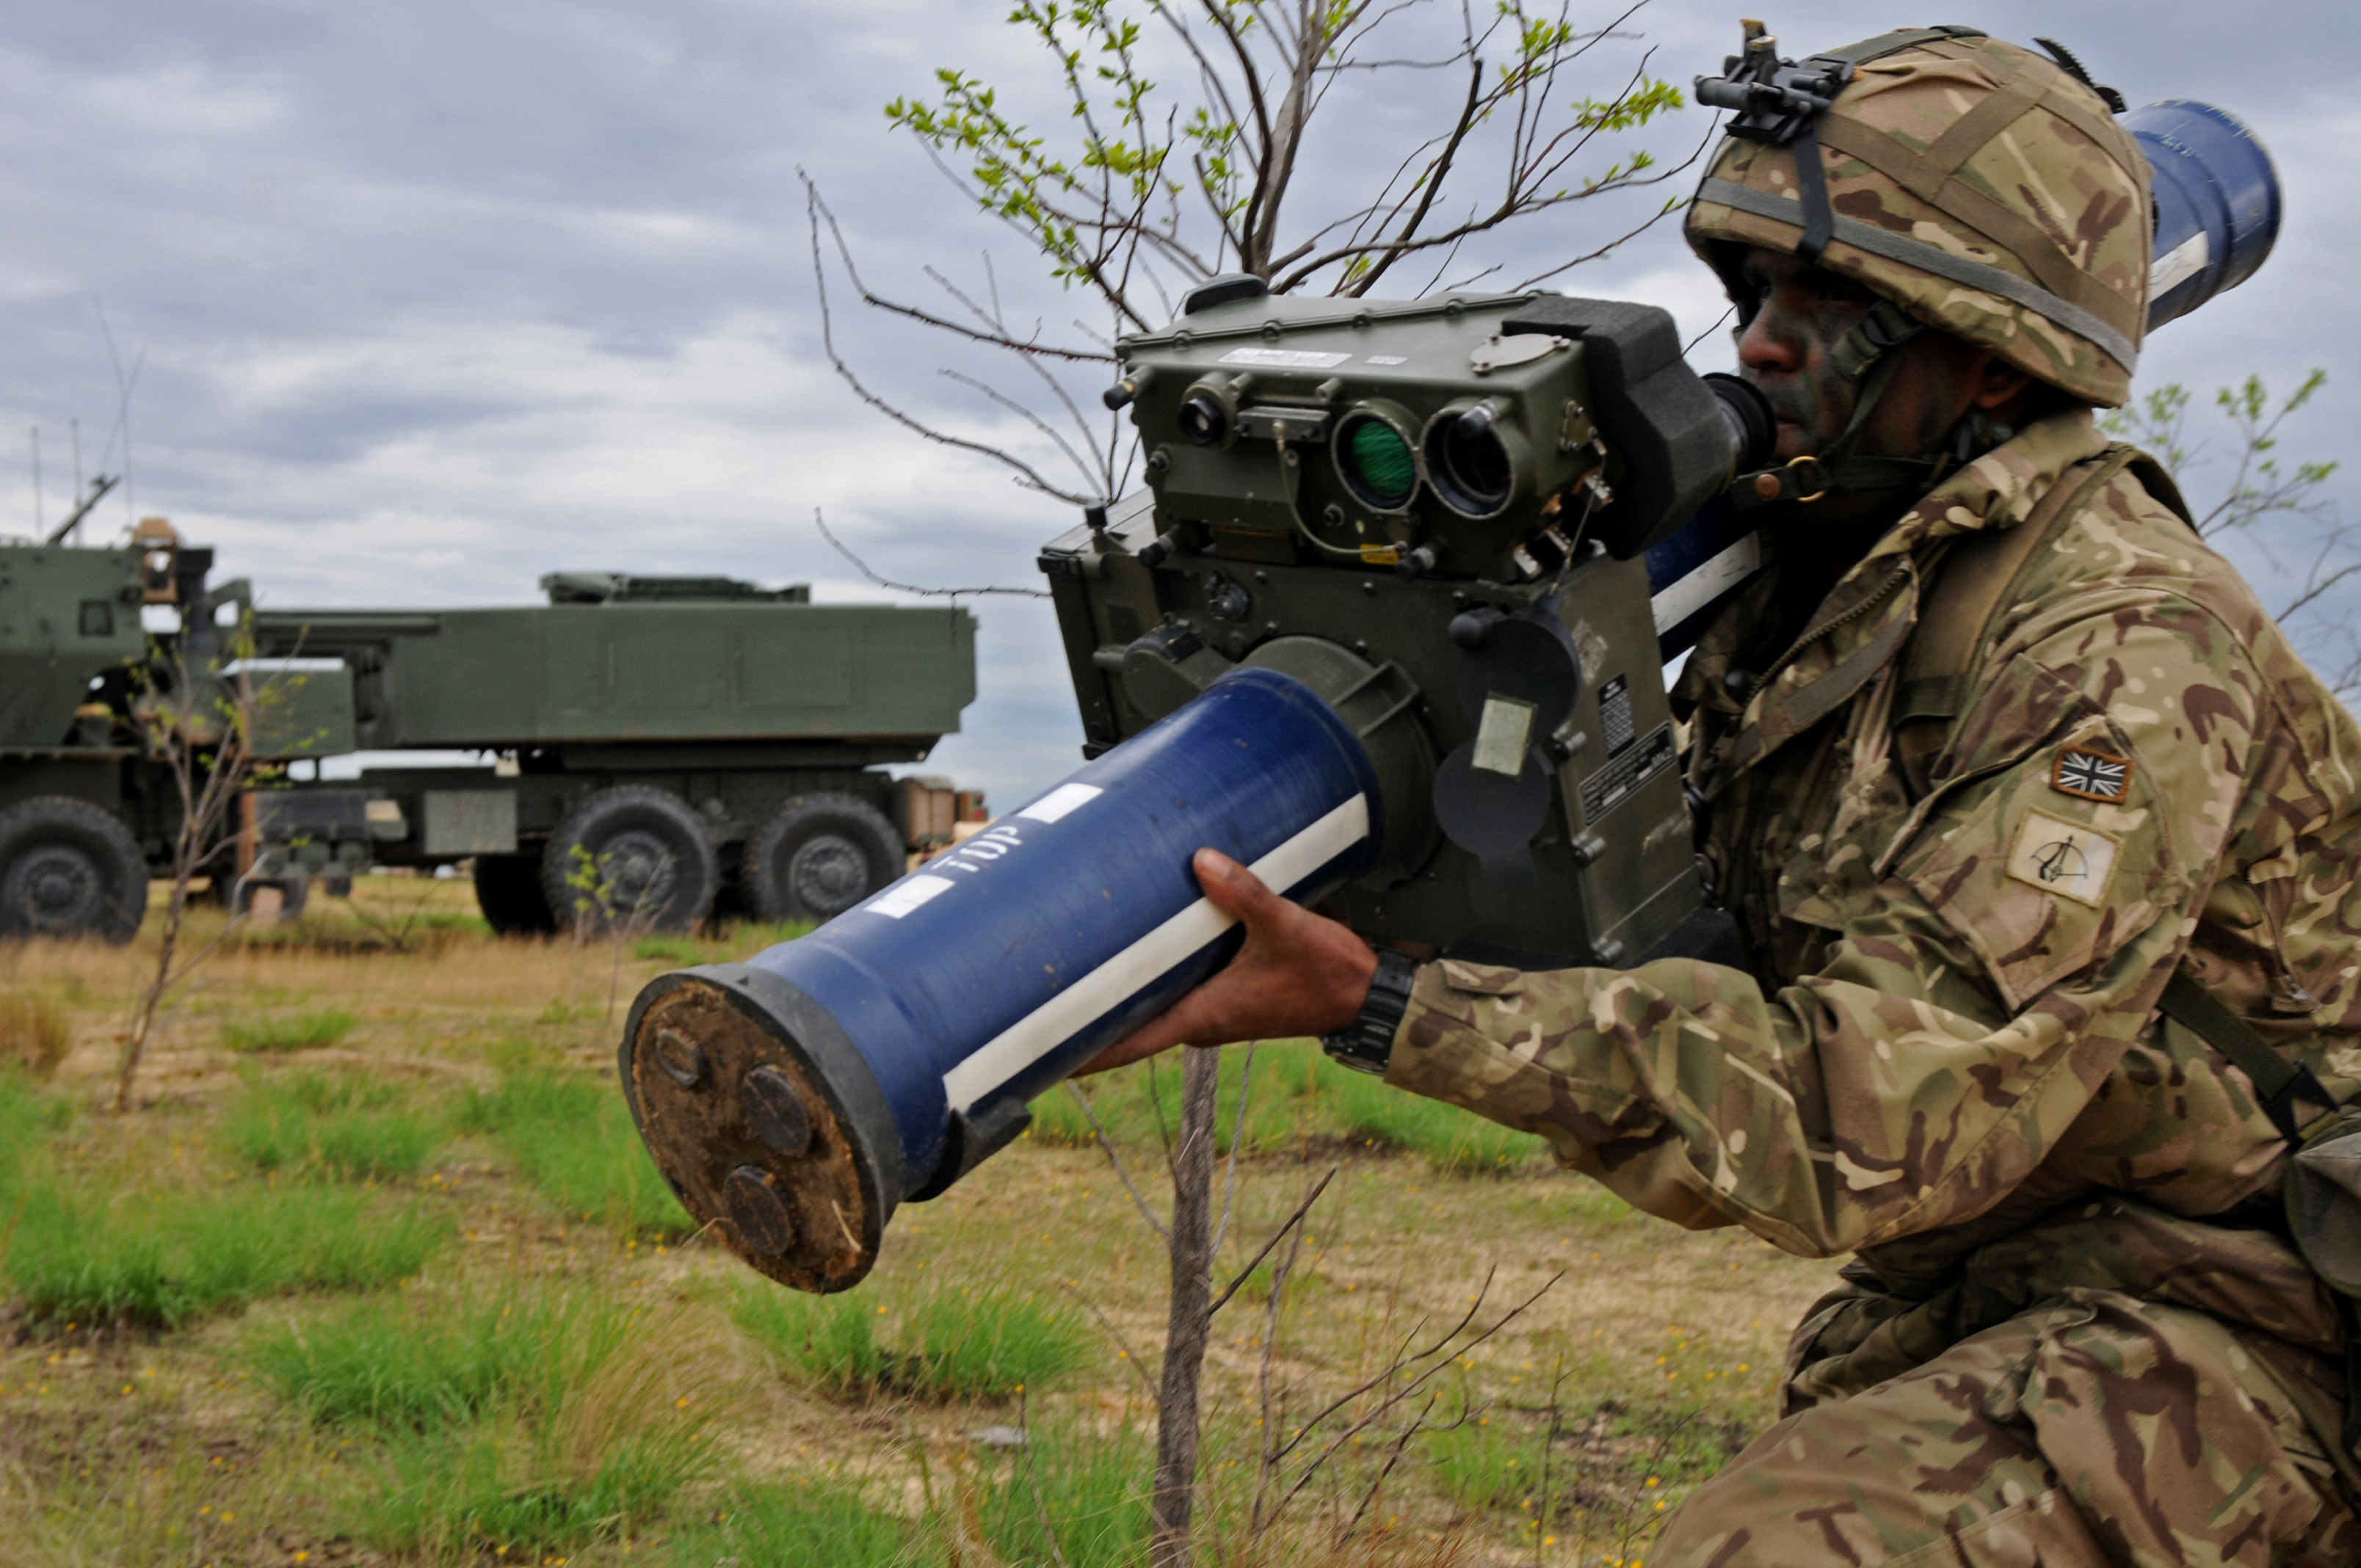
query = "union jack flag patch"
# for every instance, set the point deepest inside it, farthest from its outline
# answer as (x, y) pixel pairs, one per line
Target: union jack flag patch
(2090, 776)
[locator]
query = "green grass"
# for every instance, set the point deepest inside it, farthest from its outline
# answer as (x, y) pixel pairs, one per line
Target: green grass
(1290, 1079)
(987, 1342)
(536, 1419)
(679, 950)
(348, 1126)
(27, 1119)
(508, 1486)
(742, 940)
(1299, 1096)
(828, 1344)
(418, 1363)
(1486, 1463)
(975, 1343)
(815, 1522)
(159, 1258)
(297, 1032)
(1453, 1142)
(1090, 1487)
(571, 1138)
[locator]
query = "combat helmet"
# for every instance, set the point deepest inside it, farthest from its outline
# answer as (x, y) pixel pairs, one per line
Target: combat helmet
(1975, 187)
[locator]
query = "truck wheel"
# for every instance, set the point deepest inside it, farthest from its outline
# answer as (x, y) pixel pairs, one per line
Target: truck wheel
(68, 869)
(507, 890)
(820, 855)
(631, 857)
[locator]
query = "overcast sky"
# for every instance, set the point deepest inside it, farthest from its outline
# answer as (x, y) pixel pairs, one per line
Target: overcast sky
(426, 299)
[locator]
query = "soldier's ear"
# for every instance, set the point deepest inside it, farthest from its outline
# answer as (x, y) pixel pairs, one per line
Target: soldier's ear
(1999, 384)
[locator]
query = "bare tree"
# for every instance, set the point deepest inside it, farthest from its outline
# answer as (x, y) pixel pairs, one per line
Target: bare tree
(1188, 1321)
(198, 716)
(1342, 146)
(1158, 188)
(2280, 509)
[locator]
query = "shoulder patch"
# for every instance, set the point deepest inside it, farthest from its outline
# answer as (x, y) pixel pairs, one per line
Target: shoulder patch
(2090, 776)
(2063, 858)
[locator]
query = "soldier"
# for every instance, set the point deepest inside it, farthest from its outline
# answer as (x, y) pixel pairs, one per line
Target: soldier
(2042, 843)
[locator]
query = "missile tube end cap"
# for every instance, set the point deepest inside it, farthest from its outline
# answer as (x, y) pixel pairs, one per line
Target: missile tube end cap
(780, 1141)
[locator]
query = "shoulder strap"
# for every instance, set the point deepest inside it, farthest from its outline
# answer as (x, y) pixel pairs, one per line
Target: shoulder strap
(2160, 486)
(2281, 1082)
(1981, 567)
(1955, 618)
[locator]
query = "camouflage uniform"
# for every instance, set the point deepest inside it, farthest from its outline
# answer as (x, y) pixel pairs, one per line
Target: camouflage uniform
(2070, 1335)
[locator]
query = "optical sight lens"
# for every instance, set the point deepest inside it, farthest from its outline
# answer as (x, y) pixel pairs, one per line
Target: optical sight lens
(1204, 419)
(1376, 463)
(1470, 462)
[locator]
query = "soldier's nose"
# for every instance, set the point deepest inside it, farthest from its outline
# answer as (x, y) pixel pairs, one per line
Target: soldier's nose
(1766, 349)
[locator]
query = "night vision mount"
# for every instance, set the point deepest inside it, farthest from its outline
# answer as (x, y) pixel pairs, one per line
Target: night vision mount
(1772, 100)
(1781, 102)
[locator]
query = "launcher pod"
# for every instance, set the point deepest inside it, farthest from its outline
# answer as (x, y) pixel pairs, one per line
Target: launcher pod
(796, 1098)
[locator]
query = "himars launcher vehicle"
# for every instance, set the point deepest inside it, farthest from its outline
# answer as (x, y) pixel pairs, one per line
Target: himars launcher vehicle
(655, 747)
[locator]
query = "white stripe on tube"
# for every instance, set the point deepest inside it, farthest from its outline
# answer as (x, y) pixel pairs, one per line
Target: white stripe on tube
(1707, 582)
(1098, 992)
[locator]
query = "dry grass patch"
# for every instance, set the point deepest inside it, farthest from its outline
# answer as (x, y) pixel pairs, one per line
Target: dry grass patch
(89, 1490)
(35, 1033)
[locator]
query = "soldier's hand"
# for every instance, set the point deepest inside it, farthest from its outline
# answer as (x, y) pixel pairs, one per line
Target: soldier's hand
(1298, 973)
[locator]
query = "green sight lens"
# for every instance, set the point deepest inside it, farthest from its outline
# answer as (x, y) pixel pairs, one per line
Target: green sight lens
(1376, 463)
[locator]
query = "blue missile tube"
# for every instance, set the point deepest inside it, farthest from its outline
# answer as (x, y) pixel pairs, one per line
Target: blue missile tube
(884, 1056)
(2217, 203)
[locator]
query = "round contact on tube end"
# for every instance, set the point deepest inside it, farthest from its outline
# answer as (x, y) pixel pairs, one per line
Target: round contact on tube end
(783, 1143)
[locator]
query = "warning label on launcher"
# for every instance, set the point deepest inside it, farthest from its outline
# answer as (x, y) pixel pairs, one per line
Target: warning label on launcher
(1607, 788)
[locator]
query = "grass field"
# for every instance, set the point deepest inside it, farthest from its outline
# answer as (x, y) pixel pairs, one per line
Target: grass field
(377, 1273)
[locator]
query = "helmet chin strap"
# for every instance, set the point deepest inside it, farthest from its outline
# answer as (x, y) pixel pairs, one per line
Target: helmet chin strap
(1866, 355)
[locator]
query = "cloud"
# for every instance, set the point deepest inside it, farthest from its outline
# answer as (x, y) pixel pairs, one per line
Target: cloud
(436, 298)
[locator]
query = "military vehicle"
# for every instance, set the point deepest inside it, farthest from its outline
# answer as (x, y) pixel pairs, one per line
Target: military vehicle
(656, 748)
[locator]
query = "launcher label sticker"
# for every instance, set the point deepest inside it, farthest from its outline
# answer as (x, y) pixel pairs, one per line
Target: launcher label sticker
(1621, 779)
(2090, 776)
(1284, 358)
(2062, 858)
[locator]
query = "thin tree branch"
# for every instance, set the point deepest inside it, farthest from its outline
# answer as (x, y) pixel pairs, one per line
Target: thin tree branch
(1130, 1358)
(862, 567)
(1292, 1220)
(1116, 1160)
(1230, 1169)
(819, 208)
(1404, 1393)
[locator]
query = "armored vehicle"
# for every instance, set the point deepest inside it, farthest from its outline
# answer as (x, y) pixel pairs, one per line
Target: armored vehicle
(656, 748)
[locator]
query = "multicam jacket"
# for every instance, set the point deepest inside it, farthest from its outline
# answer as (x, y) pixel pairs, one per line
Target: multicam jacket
(1947, 1056)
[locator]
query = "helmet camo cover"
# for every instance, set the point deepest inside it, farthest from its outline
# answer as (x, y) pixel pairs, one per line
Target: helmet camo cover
(1984, 190)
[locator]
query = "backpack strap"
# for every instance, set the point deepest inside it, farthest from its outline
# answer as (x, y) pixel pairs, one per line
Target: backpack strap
(1955, 620)
(2281, 1082)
